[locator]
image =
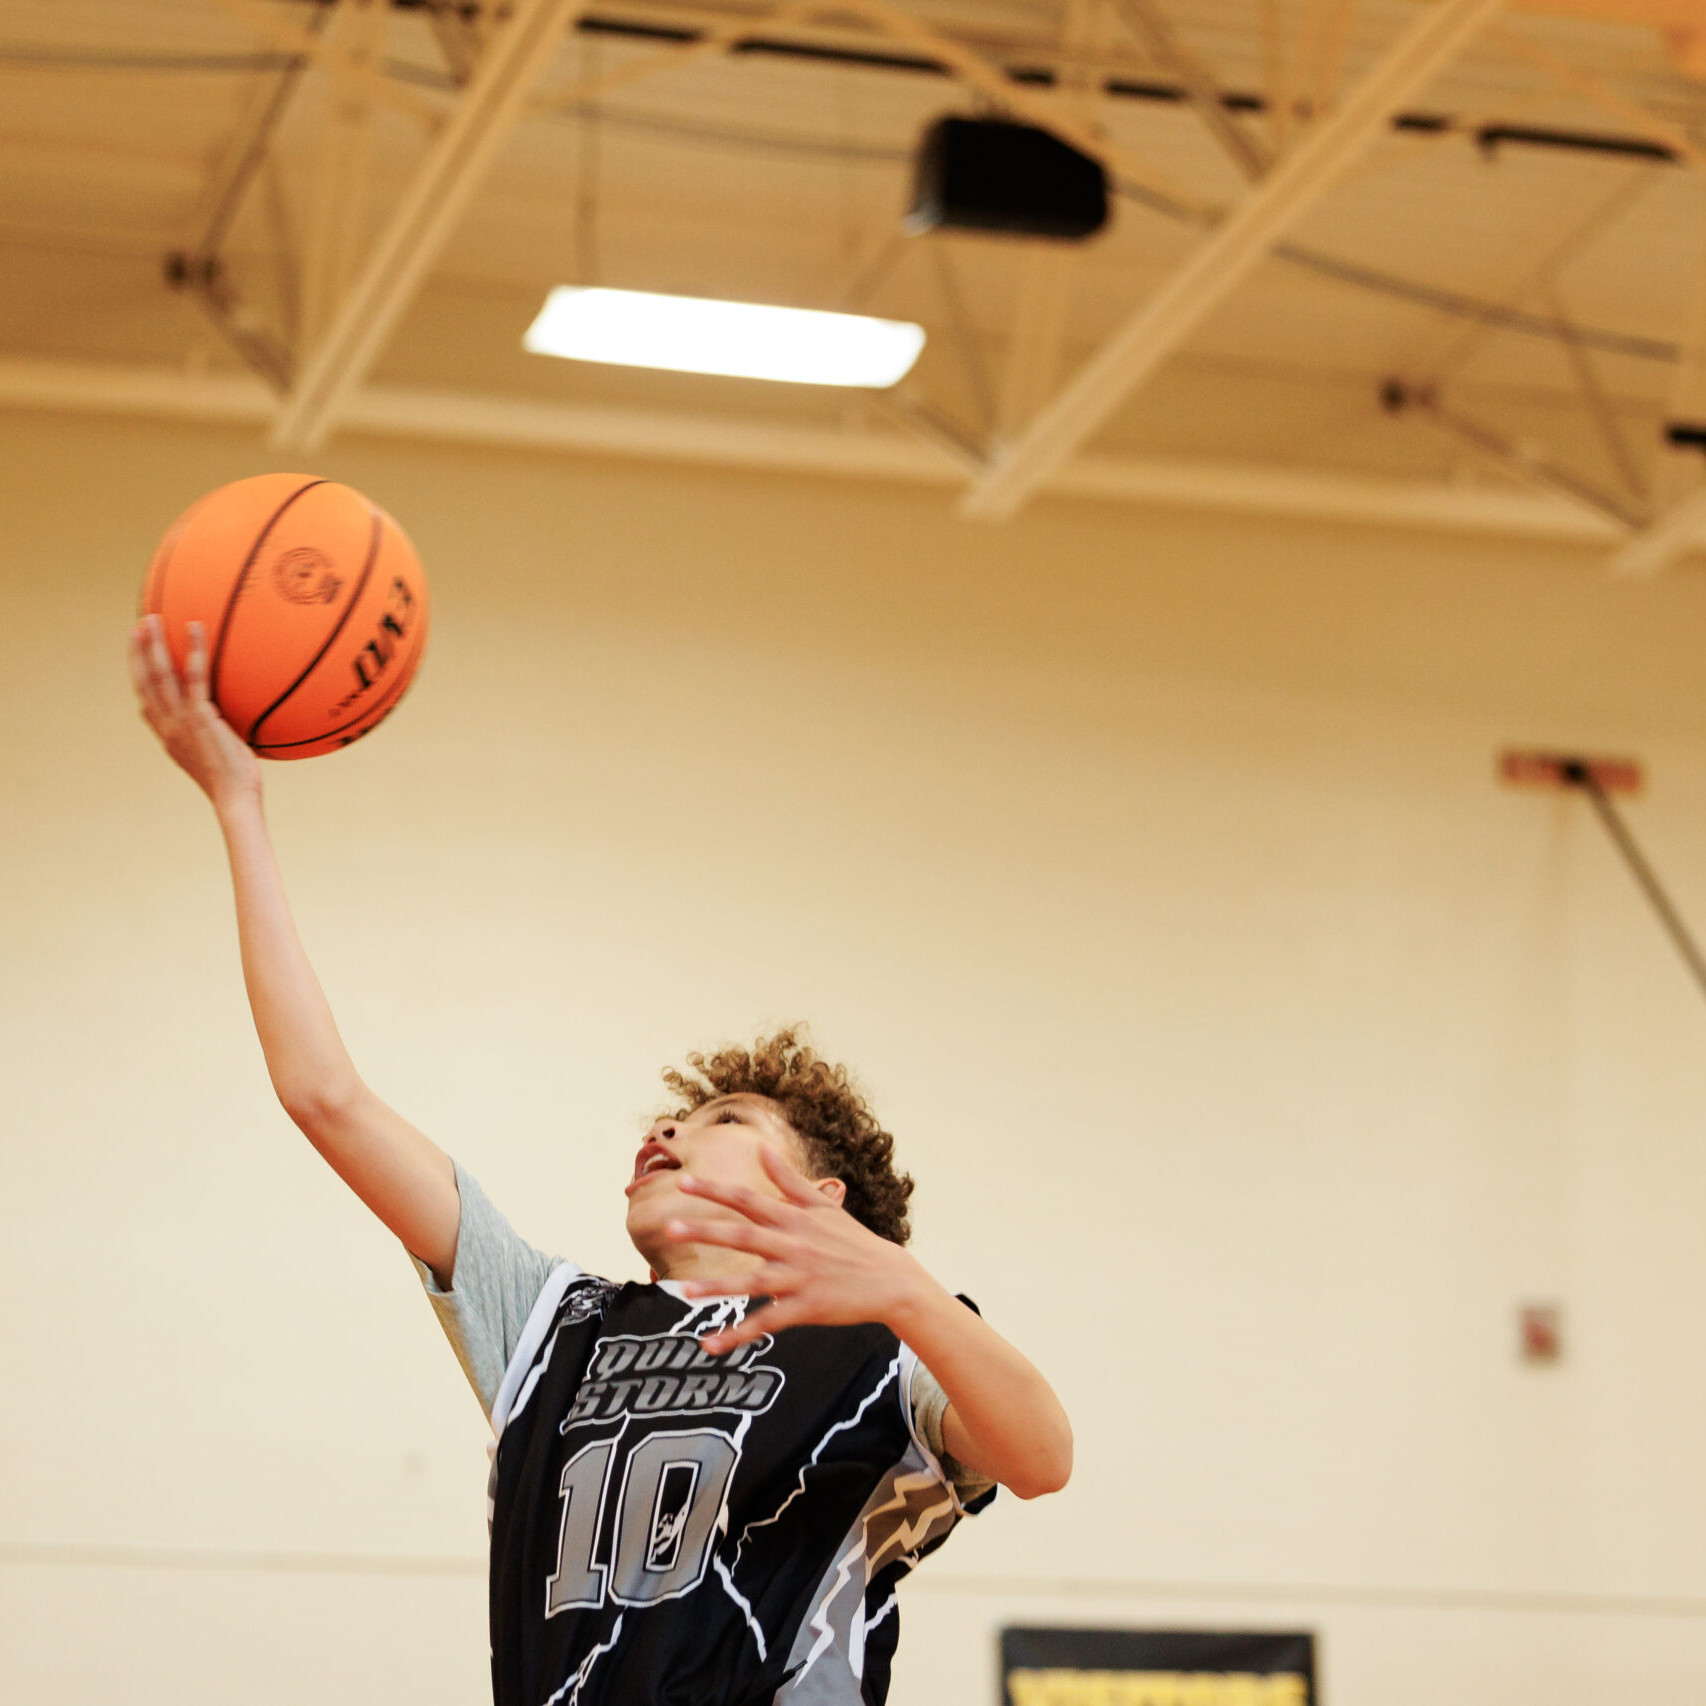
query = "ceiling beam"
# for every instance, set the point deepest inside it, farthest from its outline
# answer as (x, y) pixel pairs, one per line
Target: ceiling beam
(1658, 13)
(1679, 467)
(1665, 538)
(1151, 25)
(307, 43)
(1680, 511)
(1601, 407)
(423, 218)
(451, 417)
(1527, 463)
(710, 42)
(332, 237)
(1225, 259)
(1450, 343)
(1591, 89)
(459, 36)
(1048, 272)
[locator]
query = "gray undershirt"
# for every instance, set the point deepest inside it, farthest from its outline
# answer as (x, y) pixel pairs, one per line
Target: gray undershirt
(497, 1278)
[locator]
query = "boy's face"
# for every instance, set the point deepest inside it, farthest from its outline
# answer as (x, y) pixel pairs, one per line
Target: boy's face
(722, 1141)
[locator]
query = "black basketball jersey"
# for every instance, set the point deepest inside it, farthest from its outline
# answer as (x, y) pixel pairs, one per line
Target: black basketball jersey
(671, 1528)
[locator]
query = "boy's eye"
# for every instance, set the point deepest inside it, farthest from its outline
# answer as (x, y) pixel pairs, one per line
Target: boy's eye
(727, 1114)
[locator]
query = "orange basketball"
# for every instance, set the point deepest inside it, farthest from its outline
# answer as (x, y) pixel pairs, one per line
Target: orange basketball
(313, 603)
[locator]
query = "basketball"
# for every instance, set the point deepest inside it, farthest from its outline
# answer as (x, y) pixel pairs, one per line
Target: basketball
(313, 603)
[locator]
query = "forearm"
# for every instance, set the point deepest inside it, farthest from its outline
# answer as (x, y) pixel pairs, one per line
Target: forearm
(399, 1172)
(1004, 1418)
(306, 1059)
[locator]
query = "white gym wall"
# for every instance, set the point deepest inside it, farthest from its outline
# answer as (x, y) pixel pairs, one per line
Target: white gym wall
(1256, 1052)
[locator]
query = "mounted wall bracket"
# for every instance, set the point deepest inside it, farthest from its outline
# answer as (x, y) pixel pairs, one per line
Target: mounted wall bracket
(1558, 770)
(1599, 779)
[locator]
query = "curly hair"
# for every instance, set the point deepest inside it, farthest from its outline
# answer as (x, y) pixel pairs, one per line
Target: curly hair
(833, 1121)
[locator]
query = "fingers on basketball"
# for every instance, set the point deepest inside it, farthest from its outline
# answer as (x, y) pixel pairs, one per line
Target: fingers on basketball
(136, 656)
(162, 676)
(151, 684)
(195, 666)
(313, 607)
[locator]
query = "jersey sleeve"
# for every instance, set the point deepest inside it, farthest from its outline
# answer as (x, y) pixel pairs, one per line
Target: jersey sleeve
(928, 1402)
(495, 1281)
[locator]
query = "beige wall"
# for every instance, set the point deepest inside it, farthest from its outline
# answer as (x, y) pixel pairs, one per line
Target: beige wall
(1255, 1051)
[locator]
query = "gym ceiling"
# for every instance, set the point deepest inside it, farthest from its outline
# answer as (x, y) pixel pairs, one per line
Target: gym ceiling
(1416, 261)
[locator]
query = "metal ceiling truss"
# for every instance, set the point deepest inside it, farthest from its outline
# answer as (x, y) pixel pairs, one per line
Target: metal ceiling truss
(1601, 408)
(1306, 77)
(1673, 137)
(1448, 347)
(1035, 106)
(1523, 460)
(1662, 512)
(198, 267)
(1304, 93)
(1657, 545)
(847, 450)
(460, 31)
(204, 277)
(309, 42)
(1048, 272)
(1450, 350)
(344, 342)
(1660, 515)
(1237, 245)
(1680, 464)
(422, 219)
(1680, 520)
(332, 242)
(1146, 20)
(349, 310)
(1127, 72)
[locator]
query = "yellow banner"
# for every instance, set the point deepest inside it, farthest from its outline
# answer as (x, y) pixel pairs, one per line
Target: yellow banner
(1153, 1688)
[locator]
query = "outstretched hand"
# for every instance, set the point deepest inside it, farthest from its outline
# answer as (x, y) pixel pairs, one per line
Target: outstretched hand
(181, 712)
(819, 1265)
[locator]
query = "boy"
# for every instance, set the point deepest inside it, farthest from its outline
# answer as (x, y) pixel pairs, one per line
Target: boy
(705, 1489)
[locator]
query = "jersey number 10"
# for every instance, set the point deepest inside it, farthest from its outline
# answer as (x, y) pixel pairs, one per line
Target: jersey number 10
(666, 1517)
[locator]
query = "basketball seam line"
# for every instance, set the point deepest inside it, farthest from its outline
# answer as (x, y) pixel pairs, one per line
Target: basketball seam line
(376, 536)
(242, 581)
(383, 705)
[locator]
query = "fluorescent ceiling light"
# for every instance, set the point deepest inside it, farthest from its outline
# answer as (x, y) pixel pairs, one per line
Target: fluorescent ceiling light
(744, 340)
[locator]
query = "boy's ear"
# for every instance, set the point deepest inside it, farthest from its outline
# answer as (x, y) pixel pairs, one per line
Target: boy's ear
(834, 1189)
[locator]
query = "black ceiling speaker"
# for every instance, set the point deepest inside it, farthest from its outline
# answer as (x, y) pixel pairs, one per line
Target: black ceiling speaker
(986, 174)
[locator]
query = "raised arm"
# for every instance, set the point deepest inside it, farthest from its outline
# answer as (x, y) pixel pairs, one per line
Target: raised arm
(399, 1172)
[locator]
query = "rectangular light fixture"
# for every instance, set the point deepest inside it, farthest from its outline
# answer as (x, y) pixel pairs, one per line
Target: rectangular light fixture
(742, 340)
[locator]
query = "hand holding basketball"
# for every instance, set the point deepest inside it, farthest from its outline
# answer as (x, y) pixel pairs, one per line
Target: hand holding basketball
(197, 739)
(313, 608)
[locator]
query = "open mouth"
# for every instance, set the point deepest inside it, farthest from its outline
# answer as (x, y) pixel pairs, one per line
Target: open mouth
(653, 1158)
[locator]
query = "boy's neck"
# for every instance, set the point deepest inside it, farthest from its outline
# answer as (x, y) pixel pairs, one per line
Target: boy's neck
(682, 1262)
